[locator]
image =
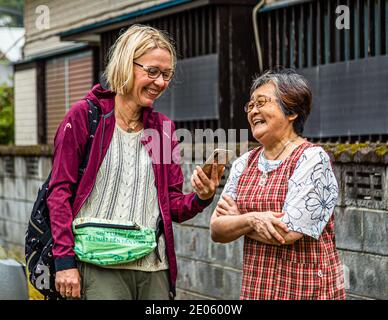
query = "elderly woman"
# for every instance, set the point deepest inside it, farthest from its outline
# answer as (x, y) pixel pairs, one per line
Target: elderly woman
(281, 197)
(106, 233)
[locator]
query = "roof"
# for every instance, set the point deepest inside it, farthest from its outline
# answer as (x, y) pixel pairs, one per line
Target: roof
(277, 4)
(140, 13)
(123, 18)
(12, 41)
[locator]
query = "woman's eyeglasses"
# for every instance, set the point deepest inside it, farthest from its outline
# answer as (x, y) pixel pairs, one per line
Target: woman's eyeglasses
(258, 103)
(155, 72)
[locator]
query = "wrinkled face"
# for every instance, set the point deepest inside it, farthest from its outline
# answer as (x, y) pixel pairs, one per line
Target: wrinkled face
(268, 122)
(146, 90)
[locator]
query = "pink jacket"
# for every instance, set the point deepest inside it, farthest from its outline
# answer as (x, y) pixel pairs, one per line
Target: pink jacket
(69, 144)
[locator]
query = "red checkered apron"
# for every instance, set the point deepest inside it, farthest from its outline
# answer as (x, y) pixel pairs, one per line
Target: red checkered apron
(307, 269)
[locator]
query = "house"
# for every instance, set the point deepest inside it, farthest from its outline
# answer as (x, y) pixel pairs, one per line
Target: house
(67, 44)
(12, 40)
(219, 52)
(342, 49)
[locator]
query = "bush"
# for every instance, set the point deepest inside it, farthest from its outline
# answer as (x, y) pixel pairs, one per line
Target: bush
(6, 115)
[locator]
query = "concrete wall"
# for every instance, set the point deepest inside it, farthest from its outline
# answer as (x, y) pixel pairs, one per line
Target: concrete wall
(362, 239)
(208, 270)
(20, 179)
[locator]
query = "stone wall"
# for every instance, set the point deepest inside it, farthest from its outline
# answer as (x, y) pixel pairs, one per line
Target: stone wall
(362, 229)
(20, 179)
(209, 270)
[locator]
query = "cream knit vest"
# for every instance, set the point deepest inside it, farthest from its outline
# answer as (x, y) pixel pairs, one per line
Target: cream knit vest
(125, 191)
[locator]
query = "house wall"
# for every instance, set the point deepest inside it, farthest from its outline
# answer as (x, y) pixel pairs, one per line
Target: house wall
(62, 16)
(66, 15)
(25, 107)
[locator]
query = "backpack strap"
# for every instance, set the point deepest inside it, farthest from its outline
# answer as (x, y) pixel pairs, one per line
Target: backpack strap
(158, 232)
(93, 119)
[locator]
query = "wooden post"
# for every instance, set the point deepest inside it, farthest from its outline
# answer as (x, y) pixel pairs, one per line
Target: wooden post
(238, 63)
(41, 101)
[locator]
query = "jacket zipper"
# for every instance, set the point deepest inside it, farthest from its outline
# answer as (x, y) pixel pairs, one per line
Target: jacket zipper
(37, 229)
(29, 260)
(107, 225)
(161, 215)
(102, 139)
(99, 156)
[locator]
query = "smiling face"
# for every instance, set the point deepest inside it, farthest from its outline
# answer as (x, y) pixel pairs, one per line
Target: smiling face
(268, 123)
(146, 90)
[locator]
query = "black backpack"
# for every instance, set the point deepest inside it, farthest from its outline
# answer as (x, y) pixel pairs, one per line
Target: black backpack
(38, 240)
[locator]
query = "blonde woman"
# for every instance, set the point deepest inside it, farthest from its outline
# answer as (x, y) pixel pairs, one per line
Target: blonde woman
(129, 183)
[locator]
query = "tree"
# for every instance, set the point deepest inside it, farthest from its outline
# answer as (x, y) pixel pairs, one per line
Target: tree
(11, 13)
(6, 115)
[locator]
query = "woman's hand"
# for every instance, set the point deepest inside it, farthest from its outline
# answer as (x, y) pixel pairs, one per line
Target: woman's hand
(203, 186)
(68, 283)
(226, 206)
(263, 223)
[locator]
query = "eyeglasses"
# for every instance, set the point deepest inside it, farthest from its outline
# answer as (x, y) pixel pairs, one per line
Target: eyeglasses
(155, 72)
(259, 102)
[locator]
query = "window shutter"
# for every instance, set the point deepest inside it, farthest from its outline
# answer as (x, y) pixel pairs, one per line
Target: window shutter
(68, 79)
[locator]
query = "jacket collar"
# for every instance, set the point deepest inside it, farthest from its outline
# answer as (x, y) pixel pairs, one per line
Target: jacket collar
(106, 100)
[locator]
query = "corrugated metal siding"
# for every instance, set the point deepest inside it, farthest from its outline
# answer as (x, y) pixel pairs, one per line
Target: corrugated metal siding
(25, 107)
(195, 98)
(344, 66)
(55, 95)
(68, 79)
(305, 35)
(350, 99)
(80, 76)
(219, 28)
(194, 33)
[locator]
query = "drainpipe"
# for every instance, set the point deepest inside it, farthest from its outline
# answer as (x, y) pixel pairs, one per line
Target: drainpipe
(256, 31)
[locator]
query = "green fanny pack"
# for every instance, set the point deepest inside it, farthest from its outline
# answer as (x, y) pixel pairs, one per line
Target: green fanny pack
(105, 242)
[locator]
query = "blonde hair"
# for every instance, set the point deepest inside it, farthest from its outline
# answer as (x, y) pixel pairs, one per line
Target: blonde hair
(131, 45)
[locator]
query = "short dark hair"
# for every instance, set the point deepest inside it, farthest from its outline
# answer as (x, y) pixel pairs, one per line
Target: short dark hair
(293, 92)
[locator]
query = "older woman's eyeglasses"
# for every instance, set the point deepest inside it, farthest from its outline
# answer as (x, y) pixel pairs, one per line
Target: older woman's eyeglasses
(258, 103)
(155, 72)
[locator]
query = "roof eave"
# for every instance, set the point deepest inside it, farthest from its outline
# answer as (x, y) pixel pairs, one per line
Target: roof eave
(98, 27)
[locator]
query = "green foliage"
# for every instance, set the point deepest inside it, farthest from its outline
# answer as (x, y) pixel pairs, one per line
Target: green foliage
(6, 115)
(11, 13)
(13, 4)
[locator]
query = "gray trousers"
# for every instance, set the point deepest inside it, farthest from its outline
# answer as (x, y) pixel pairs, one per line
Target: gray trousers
(99, 283)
